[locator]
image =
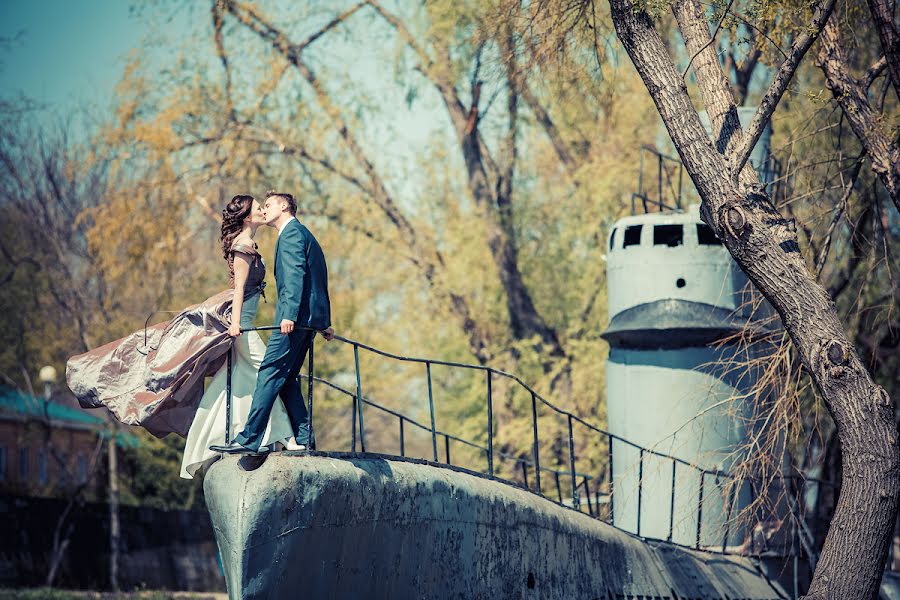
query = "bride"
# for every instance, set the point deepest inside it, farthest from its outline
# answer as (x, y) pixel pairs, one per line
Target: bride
(240, 220)
(155, 376)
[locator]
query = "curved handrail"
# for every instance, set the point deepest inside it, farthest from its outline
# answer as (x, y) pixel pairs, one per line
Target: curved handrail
(359, 400)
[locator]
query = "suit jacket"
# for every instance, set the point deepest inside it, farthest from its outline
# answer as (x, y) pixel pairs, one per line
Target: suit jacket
(301, 278)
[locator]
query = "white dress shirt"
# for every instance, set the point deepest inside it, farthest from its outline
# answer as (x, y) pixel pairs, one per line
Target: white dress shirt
(283, 225)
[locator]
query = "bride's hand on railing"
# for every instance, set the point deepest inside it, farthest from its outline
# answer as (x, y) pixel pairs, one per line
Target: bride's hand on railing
(234, 330)
(328, 334)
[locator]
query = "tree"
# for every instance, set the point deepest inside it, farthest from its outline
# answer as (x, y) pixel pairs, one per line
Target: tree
(477, 255)
(765, 246)
(867, 116)
(66, 283)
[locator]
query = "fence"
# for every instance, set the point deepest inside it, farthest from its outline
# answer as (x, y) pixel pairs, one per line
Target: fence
(586, 491)
(668, 194)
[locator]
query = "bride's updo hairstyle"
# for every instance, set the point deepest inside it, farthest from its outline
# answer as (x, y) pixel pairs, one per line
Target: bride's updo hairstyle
(233, 220)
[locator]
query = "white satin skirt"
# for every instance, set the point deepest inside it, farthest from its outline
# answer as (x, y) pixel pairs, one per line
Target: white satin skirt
(208, 427)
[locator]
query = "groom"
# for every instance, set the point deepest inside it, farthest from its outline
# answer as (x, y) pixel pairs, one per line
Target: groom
(301, 279)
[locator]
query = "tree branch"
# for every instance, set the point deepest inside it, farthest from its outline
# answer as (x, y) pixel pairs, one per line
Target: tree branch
(842, 207)
(429, 257)
(865, 122)
(711, 41)
(712, 82)
(765, 246)
(890, 39)
(495, 201)
(779, 85)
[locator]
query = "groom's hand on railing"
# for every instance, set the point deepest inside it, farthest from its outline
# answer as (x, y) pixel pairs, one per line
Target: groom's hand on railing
(234, 330)
(286, 326)
(328, 334)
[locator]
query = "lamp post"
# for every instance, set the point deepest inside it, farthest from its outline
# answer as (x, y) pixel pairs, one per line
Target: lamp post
(47, 375)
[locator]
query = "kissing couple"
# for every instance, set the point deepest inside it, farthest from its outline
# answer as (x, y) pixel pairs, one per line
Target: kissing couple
(155, 377)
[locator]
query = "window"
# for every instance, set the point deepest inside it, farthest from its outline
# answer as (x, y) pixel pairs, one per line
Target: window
(23, 464)
(632, 236)
(42, 467)
(668, 235)
(706, 237)
(2, 464)
(82, 468)
(612, 239)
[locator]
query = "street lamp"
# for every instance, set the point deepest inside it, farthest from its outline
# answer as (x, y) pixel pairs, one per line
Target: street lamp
(47, 376)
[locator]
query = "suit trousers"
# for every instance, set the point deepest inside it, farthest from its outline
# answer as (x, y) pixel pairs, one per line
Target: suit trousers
(278, 374)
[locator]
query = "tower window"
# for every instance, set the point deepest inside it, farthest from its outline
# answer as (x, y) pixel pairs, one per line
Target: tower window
(632, 236)
(612, 239)
(668, 235)
(706, 236)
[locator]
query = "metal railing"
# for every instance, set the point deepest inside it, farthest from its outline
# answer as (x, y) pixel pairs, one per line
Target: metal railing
(580, 483)
(668, 192)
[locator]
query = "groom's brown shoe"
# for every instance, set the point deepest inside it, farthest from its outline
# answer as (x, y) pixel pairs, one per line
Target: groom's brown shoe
(235, 448)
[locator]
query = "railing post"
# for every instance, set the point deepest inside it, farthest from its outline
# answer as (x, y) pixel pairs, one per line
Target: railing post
(228, 396)
(558, 487)
(524, 472)
(640, 490)
(311, 444)
(612, 503)
(659, 178)
(731, 495)
(537, 454)
(359, 402)
(572, 464)
(431, 410)
(672, 504)
(447, 448)
(353, 426)
(680, 173)
(402, 446)
(587, 494)
(700, 506)
(490, 429)
(640, 176)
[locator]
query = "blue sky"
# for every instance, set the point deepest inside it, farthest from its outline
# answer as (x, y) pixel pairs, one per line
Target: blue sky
(70, 53)
(69, 56)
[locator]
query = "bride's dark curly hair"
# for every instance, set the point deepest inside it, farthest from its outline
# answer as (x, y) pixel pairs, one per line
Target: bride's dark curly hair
(233, 220)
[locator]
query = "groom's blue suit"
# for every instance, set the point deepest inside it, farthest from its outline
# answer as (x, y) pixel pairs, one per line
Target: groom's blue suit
(301, 278)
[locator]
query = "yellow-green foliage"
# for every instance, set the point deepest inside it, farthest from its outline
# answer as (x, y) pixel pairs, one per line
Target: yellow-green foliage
(180, 144)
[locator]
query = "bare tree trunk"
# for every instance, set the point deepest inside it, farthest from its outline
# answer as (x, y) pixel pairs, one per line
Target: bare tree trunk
(63, 530)
(867, 124)
(890, 38)
(425, 255)
(495, 201)
(765, 246)
(114, 534)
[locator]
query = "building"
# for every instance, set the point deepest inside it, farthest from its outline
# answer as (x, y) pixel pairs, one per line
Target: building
(47, 449)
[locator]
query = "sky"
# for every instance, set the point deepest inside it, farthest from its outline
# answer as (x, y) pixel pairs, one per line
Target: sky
(69, 56)
(65, 54)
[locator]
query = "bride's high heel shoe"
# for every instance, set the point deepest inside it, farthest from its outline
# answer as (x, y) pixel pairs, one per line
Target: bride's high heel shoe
(293, 445)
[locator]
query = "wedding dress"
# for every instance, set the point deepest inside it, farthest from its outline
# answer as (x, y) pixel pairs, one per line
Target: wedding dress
(208, 426)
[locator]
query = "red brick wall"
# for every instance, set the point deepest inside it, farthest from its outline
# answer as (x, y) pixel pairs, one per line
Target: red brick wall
(44, 475)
